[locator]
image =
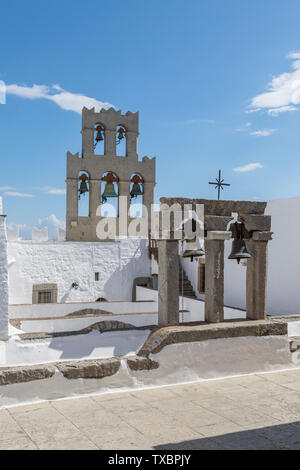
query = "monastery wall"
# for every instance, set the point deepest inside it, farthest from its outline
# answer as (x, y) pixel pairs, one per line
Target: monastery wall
(64, 263)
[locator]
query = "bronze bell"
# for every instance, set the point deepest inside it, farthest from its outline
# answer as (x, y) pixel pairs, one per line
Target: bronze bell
(99, 136)
(239, 250)
(136, 190)
(121, 133)
(193, 249)
(109, 191)
(83, 187)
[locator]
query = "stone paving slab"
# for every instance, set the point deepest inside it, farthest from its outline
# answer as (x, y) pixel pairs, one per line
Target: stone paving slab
(260, 411)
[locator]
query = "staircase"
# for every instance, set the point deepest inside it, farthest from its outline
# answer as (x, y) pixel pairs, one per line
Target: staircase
(188, 290)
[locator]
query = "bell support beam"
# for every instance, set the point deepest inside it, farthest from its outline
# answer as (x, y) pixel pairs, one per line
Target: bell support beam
(214, 275)
(257, 274)
(168, 282)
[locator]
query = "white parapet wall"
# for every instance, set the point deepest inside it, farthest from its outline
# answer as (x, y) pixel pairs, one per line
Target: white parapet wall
(64, 263)
(3, 279)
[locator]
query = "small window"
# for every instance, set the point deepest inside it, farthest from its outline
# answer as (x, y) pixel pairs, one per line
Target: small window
(96, 276)
(45, 297)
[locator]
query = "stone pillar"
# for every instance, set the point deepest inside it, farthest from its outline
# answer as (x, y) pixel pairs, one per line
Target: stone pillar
(124, 189)
(214, 275)
(110, 142)
(87, 141)
(168, 282)
(3, 280)
(131, 144)
(148, 199)
(95, 196)
(72, 198)
(257, 274)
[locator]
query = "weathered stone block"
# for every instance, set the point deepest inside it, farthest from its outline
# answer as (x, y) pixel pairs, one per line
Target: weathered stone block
(141, 363)
(256, 222)
(216, 222)
(90, 369)
(13, 375)
(219, 235)
(262, 236)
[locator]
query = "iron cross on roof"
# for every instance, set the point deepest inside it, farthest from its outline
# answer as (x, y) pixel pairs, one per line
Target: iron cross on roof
(219, 184)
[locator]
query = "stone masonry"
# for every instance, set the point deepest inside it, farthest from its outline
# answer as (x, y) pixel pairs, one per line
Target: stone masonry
(84, 228)
(218, 215)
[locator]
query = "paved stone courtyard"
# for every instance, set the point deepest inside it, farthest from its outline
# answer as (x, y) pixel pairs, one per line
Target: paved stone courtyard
(260, 411)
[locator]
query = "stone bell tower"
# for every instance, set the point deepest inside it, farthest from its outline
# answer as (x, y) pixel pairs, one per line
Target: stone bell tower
(91, 174)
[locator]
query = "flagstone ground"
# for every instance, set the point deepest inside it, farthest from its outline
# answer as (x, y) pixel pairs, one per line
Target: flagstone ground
(260, 411)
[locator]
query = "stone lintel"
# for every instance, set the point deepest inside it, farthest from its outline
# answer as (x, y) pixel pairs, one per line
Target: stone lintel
(219, 235)
(202, 332)
(260, 223)
(262, 236)
(216, 222)
(223, 208)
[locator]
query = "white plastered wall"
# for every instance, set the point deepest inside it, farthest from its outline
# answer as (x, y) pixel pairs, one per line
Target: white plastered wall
(63, 263)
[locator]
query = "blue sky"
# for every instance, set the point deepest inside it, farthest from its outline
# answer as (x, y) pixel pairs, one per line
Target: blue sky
(217, 84)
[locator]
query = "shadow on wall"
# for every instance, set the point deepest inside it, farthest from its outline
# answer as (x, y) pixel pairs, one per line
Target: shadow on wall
(283, 436)
(122, 280)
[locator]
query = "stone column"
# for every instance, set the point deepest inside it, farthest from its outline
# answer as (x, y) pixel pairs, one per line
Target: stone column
(148, 199)
(168, 282)
(72, 198)
(3, 280)
(87, 141)
(124, 189)
(131, 144)
(110, 142)
(214, 275)
(95, 196)
(257, 274)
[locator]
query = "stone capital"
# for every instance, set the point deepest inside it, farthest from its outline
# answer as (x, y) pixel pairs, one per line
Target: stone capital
(216, 222)
(260, 223)
(262, 236)
(218, 235)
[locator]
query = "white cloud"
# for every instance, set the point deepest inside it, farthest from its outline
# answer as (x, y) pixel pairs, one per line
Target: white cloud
(6, 188)
(17, 194)
(263, 133)
(283, 92)
(51, 190)
(64, 99)
(249, 167)
(245, 127)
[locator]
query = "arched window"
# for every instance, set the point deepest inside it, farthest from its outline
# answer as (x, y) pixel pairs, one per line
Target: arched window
(136, 195)
(99, 142)
(83, 194)
(109, 195)
(121, 141)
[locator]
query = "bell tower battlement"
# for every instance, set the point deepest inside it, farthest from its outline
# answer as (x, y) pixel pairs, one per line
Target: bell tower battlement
(110, 122)
(102, 174)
